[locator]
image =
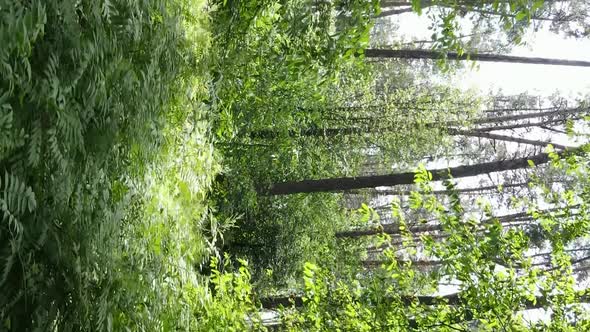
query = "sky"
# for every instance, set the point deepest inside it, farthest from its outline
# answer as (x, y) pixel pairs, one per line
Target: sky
(517, 78)
(545, 80)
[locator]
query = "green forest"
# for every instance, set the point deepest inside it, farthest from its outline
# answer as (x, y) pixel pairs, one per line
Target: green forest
(293, 165)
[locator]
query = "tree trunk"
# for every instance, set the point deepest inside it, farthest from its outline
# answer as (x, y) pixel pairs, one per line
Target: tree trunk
(425, 54)
(340, 184)
(525, 116)
(540, 124)
(311, 132)
(460, 6)
(389, 3)
(333, 132)
(391, 12)
(459, 191)
(481, 134)
(450, 299)
(422, 264)
(394, 229)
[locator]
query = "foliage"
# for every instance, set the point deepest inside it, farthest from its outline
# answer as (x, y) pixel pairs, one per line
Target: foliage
(135, 136)
(514, 17)
(231, 308)
(482, 258)
(105, 162)
(277, 66)
(293, 102)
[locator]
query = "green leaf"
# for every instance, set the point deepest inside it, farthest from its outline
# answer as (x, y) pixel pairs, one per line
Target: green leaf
(521, 15)
(417, 6)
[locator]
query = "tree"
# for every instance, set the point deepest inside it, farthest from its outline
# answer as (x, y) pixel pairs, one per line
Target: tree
(400, 294)
(476, 190)
(377, 122)
(515, 17)
(483, 57)
(340, 184)
(485, 9)
(451, 299)
(397, 229)
(483, 134)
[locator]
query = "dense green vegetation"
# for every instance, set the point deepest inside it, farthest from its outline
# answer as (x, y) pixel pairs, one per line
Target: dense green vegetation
(106, 161)
(140, 142)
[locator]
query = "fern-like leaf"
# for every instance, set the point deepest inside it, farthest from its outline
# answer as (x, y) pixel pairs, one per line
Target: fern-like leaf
(16, 199)
(35, 140)
(6, 118)
(54, 148)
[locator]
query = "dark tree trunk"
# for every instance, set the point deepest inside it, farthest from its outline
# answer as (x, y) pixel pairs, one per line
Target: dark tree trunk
(526, 116)
(425, 54)
(482, 134)
(391, 12)
(340, 184)
(312, 132)
(425, 264)
(388, 3)
(451, 299)
(461, 6)
(333, 132)
(540, 124)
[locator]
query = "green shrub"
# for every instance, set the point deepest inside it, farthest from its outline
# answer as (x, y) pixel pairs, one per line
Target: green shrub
(104, 164)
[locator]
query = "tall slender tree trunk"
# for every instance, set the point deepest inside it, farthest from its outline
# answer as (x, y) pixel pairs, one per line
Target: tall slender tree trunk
(422, 264)
(394, 229)
(400, 7)
(535, 115)
(350, 183)
(497, 137)
(450, 299)
(333, 132)
(391, 12)
(426, 54)
(540, 124)
(459, 191)
(389, 3)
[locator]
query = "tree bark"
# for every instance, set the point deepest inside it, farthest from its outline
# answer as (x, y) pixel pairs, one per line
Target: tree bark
(333, 132)
(391, 12)
(540, 124)
(461, 7)
(350, 183)
(451, 299)
(426, 54)
(388, 3)
(424, 263)
(459, 191)
(394, 229)
(525, 116)
(481, 134)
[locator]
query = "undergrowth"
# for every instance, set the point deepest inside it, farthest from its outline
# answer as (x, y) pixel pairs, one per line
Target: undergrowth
(105, 161)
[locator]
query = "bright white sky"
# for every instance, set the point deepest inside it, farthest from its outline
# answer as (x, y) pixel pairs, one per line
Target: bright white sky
(517, 78)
